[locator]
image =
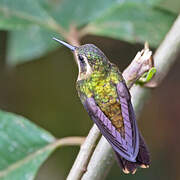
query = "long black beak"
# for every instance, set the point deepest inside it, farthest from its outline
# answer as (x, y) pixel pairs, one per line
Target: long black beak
(72, 48)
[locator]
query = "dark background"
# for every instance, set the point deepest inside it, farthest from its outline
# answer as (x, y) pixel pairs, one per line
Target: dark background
(44, 91)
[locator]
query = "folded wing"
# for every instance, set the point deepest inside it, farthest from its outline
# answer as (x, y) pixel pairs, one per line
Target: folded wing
(128, 145)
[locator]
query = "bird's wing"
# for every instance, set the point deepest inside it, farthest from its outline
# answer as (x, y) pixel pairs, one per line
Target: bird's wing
(127, 146)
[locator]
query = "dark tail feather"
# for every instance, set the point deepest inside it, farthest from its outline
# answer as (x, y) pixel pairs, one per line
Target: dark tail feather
(142, 160)
(143, 157)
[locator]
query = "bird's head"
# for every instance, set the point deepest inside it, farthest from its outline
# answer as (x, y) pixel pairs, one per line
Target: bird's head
(89, 59)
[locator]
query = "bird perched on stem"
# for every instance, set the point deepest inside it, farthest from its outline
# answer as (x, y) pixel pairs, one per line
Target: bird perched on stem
(106, 98)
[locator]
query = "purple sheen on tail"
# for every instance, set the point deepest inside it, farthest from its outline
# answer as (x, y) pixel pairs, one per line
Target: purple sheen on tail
(119, 144)
(142, 160)
(130, 124)
(144, 156)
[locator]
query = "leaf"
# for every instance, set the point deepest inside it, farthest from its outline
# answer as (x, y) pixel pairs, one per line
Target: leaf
(150, 74)
(53, 15)
(20, 14)
(147, 76)
(81, 12)
(23, 147)
(133, 22)
(35, 41)
(36, 29)
(28, 45)
(170, 5)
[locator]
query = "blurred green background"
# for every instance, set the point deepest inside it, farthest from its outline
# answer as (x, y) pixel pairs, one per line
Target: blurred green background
(44, 91)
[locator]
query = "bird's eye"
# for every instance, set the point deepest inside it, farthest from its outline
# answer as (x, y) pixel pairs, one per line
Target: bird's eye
(81, 58)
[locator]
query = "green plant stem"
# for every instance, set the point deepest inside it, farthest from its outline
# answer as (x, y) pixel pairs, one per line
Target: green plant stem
(68, 141)
(86, 150)
(164, 58)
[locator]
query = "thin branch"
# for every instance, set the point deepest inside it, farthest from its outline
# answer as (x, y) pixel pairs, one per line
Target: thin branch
(166, 54)
(140, 64)
(68, 141)
(86, 150)
(73, 36)
(105, 161)
(97, 168)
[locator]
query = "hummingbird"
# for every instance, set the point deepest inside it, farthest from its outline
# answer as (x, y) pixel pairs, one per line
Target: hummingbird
(105, 96)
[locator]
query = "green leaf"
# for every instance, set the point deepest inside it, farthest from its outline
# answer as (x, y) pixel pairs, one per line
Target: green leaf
(170, 5)
(103, 17)
(79, 12)
(35, 26)
(20, 14)
(32, 43)
(147, 76)
(23, 147)
(82, 12)
(150, 74)
(133, 22)
(24, 46)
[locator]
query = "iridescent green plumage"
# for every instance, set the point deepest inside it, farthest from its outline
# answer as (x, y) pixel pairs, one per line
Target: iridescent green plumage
(102, 86)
